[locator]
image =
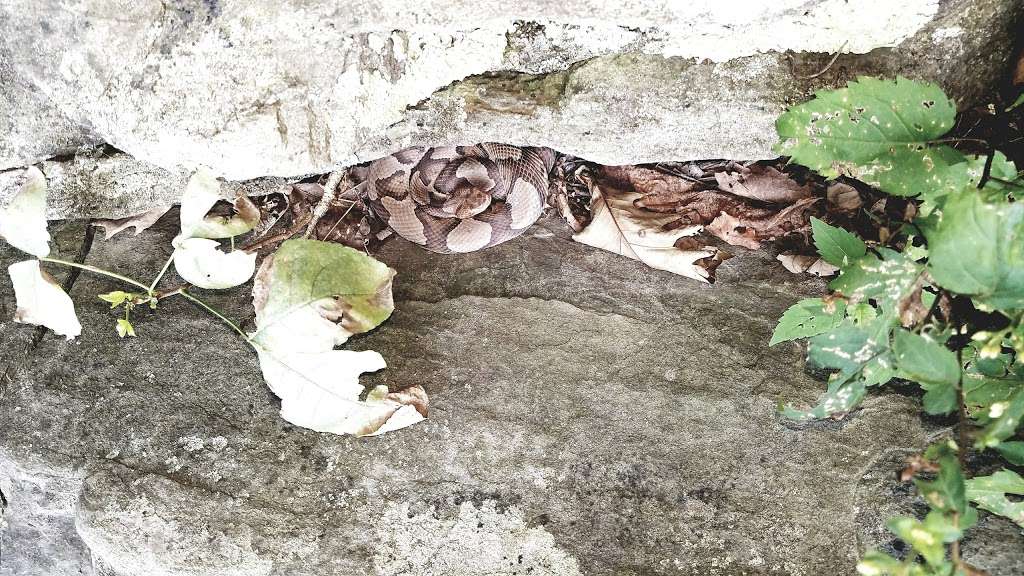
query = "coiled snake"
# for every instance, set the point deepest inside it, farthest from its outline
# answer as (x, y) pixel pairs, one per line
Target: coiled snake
(460, 198)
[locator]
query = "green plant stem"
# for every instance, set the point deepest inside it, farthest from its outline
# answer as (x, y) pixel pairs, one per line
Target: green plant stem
(161, 274)
(96, 270)
(211, 310)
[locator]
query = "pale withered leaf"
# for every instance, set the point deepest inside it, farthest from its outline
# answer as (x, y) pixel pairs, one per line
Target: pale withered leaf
(41, 300)
(310, 296)
(139, 222)
(619, 226)
(201, 263)
(23, 221)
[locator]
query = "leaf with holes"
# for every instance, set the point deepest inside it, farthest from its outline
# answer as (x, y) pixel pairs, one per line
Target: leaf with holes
(309, 297)
(808, 317)
(888, 280)
(977, 248)
(991, 493)
(841, 130)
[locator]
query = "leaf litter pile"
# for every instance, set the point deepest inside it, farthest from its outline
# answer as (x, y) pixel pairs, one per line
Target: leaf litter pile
(315, 283)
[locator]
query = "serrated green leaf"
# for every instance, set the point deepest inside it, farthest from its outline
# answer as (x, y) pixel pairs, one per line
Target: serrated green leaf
(887, 280)
(848, 346)
(990, 493)
(930, 172)
(924, 360)
(861, 313)
(841, 397)
(836, 246)
(977, 248)
(868, 119)
(926, 542)
(1006, 417)
(808, 317)
(946, 493)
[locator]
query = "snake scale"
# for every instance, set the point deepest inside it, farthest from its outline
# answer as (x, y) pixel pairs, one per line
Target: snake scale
(460, 198)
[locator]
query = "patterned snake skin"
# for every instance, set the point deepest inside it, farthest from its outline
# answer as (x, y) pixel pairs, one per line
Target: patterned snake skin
(460, 198)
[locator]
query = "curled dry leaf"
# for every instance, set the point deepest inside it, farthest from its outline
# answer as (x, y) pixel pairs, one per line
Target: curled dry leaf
(23, 221)
(733, 231)
(843, 198)
(201, 193)
(310, 296)
(41, 300)
(139, 222)
(200, 262)
(763, 183)
(798, 263)
(619, 226)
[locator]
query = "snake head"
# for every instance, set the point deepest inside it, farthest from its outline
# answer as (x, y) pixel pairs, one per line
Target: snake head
(467, 201)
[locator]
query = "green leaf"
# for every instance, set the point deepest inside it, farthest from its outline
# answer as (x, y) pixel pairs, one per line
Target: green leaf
(867, 120)
(931, 172)
(990, 493)
(1019, 101)
(116, 298)
(876, 563)
(887, 280)
(977, 248)
(848, 346)
(125, 328)
(808, 317)
(923, 539)
(947, 492)
(861, 313)
(924, 360)
(1006, 417)
(836, 246)
(306, 280)
(841, 397)
(1012, 451)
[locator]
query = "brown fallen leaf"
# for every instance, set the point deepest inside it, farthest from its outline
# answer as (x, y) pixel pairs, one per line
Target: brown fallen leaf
(799, 263)
(733, 231)
(763, 183)
(911, 309)
(619, 226)
(843, 198)
(646, 180)
(140, 222)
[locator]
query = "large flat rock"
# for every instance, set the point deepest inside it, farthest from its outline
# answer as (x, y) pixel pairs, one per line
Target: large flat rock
(588, 416)
(286, 87)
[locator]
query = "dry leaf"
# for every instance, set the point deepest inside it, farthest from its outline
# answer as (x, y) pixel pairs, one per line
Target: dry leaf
(763, 183)
(41, 300)
(733, 231)
(619, 226)
(23, 221)
(797, 264)
(843, 198)
(139, 222)
(200, 263)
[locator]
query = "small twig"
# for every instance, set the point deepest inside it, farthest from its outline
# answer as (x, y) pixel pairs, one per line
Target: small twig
(162, 272)
(330, 191)
(827, 66)
(295, 228)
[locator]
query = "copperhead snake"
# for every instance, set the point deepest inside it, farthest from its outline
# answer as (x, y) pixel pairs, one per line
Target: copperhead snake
(460, 198)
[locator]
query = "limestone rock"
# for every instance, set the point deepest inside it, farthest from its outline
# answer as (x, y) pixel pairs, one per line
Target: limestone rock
(292, 87)
(588, 416)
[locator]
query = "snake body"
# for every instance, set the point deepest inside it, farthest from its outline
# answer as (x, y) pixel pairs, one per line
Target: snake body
(460, 198)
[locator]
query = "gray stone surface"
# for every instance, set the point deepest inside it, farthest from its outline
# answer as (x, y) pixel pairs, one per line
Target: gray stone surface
(290, 87)
(104, 183)
(588, 416)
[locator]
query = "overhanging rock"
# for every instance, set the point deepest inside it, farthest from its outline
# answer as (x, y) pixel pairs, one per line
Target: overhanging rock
(286, 88)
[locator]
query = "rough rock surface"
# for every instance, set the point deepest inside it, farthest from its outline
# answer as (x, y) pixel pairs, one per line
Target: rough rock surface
(588, 416)
(290, 87)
